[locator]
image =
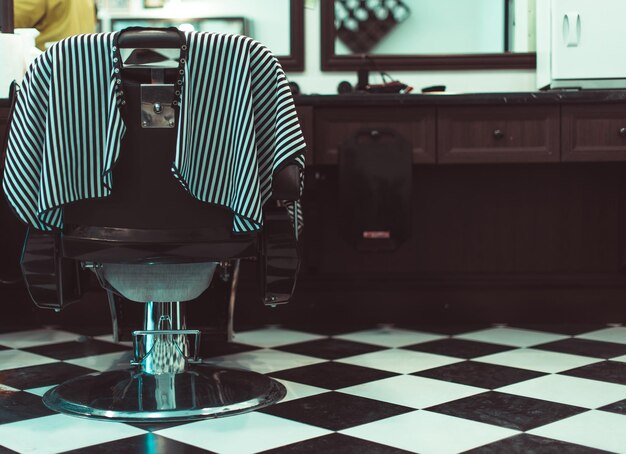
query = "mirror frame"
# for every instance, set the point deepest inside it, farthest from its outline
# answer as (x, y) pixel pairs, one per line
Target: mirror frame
(294, 62)
(415, 62)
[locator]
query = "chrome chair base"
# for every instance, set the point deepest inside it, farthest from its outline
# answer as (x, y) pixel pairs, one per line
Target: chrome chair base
(201, 391)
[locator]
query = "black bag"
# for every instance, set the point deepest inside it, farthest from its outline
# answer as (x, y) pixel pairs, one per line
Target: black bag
(375, 168)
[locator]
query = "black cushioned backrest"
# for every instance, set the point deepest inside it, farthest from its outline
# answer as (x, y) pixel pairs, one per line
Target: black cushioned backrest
(145, 194)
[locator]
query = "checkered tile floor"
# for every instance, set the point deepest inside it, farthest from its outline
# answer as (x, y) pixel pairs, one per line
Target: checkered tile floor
(491, 389)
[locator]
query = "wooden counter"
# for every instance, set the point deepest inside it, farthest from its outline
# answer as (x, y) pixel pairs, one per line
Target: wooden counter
(475, 128)
(517, 197)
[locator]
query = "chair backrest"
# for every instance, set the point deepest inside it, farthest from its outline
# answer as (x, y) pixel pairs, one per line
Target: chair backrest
(145, 194)
(149, 215)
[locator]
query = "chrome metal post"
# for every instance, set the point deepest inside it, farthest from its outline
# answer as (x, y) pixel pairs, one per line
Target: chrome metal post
(113, 310)
(164, 353)
(230, 329)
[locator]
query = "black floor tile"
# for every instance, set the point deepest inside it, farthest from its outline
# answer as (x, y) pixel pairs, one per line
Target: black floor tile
(482, 375)
(2, 347)
(84, 346)
(448, 330)
(335, 411)
(330, 348)
(4, 450)
(507, 410)
(154, 426)
(328, 330)
(560, 328)
(20, 405)
(616, 407)
(459, 348)
(335, 444)
(531, 444)
(332, 375)
(147, 444)
(611, 371)
(585, 347)
(43, 375)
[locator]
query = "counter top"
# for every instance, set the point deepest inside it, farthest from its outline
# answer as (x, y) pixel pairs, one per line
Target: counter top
(523, 98)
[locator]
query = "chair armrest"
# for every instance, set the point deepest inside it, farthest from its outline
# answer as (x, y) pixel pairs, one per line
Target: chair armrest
(286, 183)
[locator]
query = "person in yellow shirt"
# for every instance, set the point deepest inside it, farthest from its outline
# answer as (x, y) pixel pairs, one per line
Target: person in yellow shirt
(55, 19)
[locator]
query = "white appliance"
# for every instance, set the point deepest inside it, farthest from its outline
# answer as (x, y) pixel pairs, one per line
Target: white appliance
(581, 43)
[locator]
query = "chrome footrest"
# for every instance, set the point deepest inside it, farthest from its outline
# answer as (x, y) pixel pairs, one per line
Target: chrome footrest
(171, 339)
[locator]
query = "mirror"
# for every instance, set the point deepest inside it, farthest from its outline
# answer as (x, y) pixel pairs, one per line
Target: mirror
(427, 34)
(280, 28)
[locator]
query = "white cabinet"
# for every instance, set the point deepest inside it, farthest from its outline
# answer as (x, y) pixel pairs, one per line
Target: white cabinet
(581, 43)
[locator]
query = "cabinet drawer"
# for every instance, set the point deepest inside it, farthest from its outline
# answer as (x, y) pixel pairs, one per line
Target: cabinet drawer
(472, 134)
(594, 132)
(334, 125)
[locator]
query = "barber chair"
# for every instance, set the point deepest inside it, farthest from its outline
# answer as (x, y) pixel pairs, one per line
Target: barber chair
(152, 243)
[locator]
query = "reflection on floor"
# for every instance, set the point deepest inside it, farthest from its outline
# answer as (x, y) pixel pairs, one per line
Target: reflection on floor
(489, 389)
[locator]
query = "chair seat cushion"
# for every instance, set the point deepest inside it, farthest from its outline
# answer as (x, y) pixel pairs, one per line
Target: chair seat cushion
(158, 282)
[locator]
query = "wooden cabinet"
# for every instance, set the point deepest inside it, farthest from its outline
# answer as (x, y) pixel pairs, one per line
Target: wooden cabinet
(484, 134)
(594, 132)
(508, 223)
(334, 125)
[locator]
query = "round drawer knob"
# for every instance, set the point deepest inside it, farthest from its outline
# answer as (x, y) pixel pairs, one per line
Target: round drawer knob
(498, 134)
(622, 132)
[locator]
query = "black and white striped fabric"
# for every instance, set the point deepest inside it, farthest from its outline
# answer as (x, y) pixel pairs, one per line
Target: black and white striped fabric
(237, 127)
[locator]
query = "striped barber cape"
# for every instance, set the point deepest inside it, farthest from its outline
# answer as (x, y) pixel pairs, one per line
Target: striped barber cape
(237, 127)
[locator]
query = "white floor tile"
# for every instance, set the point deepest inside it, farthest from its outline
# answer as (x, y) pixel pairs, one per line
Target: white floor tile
(595, 429)
(299, 390)
(12, 359)
(569, 390)
(39, 391)
(108, 361)
(265, 361)
(390, 337)
(513, 337)
(242, 434)
(616, 334)
(620, 358)
(273, 337)
(109, 338)
(412, 391)
(400, 361)
(7, 389)
(59, 433)
(34, 338)
(426, 432)
(538, 360)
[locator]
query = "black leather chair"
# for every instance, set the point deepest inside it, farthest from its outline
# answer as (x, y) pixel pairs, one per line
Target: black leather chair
(153, 243)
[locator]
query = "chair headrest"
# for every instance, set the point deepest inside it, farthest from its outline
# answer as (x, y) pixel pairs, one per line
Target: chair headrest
(146, 38)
